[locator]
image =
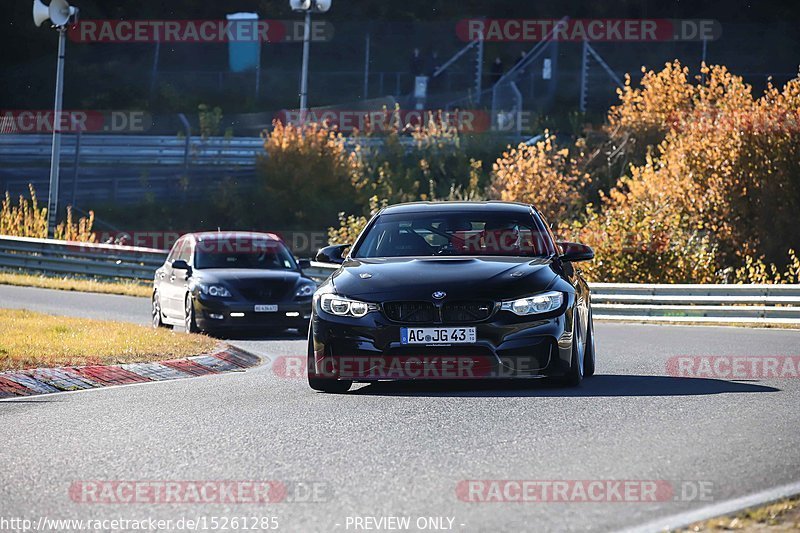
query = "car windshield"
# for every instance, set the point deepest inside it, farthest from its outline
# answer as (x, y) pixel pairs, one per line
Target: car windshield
(250, 253)
(456, 234)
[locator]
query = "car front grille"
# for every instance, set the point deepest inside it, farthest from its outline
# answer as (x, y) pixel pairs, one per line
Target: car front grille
(411, 312)
(426, 312)
(466, 312)
(265, 291)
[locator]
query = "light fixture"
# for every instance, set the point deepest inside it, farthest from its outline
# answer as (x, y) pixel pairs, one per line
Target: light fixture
(60, 14)
(307, 6)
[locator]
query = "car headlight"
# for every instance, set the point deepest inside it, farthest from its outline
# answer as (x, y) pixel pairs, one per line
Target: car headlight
(305, 291)
(341, 306)
(217, 291)
(535, 305)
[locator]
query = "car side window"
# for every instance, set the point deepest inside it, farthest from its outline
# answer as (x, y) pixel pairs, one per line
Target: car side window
(550, 239)
(185, 252)
(173, 254)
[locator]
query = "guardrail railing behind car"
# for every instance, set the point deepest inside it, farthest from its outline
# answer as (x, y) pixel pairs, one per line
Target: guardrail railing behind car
(147, 150)
(79, 258)
(724, 303)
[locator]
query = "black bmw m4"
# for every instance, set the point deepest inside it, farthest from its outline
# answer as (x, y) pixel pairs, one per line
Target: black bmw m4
(452, 290)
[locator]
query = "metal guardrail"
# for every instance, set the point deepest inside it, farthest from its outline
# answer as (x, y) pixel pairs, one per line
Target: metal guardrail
(78, 258)
(124, 185)
(319, 272)
(98, 168)
(768, 304)
(724, 303)
(151, 150)
(146, 150)
(126, 168)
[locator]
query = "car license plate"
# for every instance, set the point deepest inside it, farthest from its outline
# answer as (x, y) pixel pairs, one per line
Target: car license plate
(271, 308)
(437, 335)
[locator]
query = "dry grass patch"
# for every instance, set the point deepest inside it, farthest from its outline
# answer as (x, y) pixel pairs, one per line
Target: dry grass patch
(125, 288)
(29, 340)
(775, 517)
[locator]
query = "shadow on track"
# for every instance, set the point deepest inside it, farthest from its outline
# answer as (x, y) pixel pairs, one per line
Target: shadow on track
(268, 335)
(11, 400)
(599, 385)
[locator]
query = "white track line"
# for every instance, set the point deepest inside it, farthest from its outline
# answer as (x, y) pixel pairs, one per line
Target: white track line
(718, 509)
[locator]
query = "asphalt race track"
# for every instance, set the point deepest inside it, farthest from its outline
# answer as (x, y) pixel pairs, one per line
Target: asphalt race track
(394, 449)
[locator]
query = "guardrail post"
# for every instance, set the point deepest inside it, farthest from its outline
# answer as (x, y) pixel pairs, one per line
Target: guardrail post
(76, 168)
(188, 128)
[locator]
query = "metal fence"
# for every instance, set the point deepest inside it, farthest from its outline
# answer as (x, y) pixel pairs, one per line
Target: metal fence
(732, 304)
(81, 259)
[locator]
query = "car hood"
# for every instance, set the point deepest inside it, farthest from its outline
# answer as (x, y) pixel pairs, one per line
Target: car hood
(493, 278)
(243, 277)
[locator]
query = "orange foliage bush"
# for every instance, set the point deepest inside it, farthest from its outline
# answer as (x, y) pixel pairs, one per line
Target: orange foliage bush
(707, 190)
(724, 185)
(641, 235)
(648, 111)
(540, 174)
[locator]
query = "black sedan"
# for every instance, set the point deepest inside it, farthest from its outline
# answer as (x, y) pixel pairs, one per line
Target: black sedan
(452, 290)
(219, 281)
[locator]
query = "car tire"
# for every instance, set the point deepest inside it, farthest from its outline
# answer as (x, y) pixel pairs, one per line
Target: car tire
(574, 375)
(332, 386)
(158, 317)
(589, 350)
(190, 324)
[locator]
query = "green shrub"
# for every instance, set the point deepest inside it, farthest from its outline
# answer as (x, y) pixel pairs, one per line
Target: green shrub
(304, 179)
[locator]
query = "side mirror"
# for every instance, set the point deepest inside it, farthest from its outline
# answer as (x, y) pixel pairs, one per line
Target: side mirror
(180, 264)
(332, 254)
(304, 263)
(572, 252)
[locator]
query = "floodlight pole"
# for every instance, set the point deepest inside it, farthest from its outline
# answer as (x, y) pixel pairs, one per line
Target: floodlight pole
(52, 204)
(304, 74)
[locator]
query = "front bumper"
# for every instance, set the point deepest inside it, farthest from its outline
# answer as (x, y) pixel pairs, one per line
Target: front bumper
(507, 346)
(225, 313)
